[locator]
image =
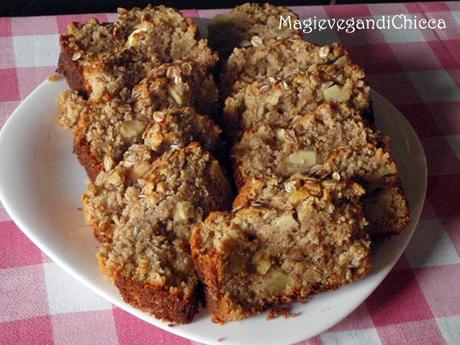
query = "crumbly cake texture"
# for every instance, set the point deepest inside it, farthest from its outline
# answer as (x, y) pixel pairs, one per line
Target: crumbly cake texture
(98, 60)
(104, 130)
(283, 242)
(305, 145)
(81, 46)
(165, 33)
(159, 278)
(333, 141)
(275, 58)
(277, 102)
(386, 209)
(145, 209)
(236, 28)
(315, 180)
(109, 200)
(184, 83)
(70, 106)
(178, 127)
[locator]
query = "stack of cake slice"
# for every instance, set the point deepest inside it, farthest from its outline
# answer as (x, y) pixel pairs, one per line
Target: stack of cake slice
(139, 110)
(315, 177)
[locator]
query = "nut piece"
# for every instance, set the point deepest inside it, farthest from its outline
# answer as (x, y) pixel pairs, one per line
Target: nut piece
(323, 52)
(273, 99)
(153, 140)
(336, 93)
(136, 36)
(158, 116)
(131, 128)
(139, 171)
(262, 262)
(301, 160)
(277, 282)
(341, 61)
(55, 76)
(114, 178)
(257, 41)
(177, 94)
(280, 134)
(391, 169)
(108, 163)
(286, 222)
(183, 209)
(76, 56)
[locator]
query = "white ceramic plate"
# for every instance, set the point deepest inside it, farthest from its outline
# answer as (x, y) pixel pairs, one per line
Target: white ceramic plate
(40, 187)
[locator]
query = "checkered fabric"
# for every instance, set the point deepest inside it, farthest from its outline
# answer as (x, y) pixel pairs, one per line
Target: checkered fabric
(418, 303)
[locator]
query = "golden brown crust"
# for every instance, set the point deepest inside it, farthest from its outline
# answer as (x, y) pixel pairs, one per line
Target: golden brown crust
(72, 70)
(158, 302)
(92, 164)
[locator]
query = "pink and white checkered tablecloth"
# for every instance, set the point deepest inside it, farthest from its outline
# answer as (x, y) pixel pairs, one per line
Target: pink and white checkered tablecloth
(418, 303)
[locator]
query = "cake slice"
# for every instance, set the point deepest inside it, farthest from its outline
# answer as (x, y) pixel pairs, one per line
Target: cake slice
(283, 242)
(304, 145)
(277, 102)
(103, 200)
(278, 58)
(179, 84)
(84, 45)
(153, 271)
(153, 206)
(103, 130)
(101, 142)
(165, 33)
(168, 86)
(236, 28)
(100, 60)
(385, 205)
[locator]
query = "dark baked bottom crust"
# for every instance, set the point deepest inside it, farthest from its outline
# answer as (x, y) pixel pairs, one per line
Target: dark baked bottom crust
(92, 165)
(72, 71)
(222, 312)
(160, 303)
